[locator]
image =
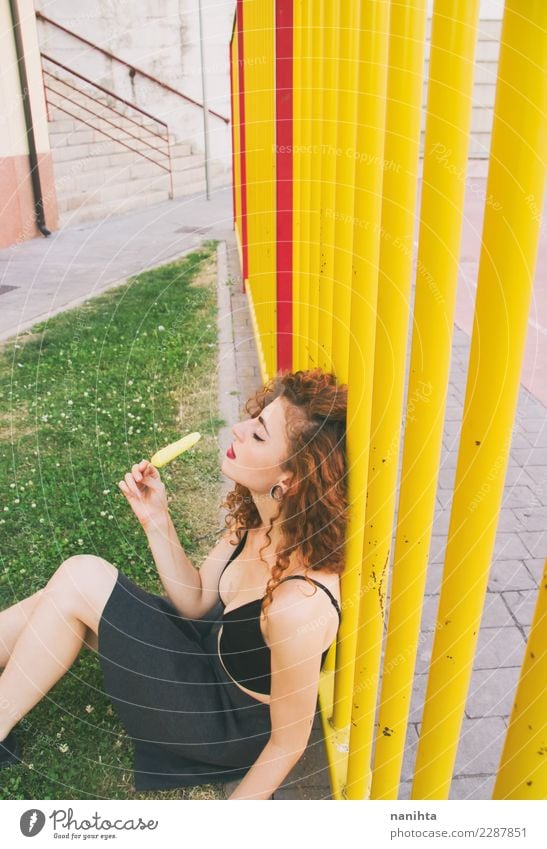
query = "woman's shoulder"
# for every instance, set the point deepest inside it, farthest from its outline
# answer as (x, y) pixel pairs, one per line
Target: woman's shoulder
(328, 580)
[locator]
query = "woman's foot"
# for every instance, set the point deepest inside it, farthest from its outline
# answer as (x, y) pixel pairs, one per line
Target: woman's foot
(10, 751)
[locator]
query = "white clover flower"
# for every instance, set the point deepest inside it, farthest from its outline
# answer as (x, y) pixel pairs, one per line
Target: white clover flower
(106, 491)
(80, 542)
(89, 708)
(161, 327)
(63, 748)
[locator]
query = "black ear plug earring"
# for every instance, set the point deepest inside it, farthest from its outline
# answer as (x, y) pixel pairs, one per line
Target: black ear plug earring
(275, 497)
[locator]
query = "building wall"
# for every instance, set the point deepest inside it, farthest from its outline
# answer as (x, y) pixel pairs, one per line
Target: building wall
(17, 213)
(162, 38)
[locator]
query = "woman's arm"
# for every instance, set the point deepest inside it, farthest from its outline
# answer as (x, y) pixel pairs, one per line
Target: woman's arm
(267, 773)
(296, 631)
(178, 575)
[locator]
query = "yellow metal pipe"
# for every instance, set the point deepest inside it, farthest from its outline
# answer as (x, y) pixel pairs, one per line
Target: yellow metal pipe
(400, 165)
(307, 79)
(316, 128)
(259, 34)
(343, 152)
(509, 250)
(448, 118)
(522, 772)
(297, 185)
(341, 229)
(237, 139)
(329, 107)
(355, 355)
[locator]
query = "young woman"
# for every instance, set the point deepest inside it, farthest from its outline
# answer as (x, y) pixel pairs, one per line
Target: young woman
(218, 679)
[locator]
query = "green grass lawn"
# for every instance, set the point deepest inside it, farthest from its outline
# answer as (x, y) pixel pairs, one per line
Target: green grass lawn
(84, 396)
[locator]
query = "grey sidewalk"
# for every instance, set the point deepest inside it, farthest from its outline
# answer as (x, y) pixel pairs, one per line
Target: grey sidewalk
(54, 273)
(70, 266)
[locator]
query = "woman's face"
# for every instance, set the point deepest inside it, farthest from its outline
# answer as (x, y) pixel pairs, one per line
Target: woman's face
(260, 447)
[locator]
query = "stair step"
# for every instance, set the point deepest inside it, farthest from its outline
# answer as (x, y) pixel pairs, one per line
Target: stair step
(134, 122)
(181, 150)
(95, 211)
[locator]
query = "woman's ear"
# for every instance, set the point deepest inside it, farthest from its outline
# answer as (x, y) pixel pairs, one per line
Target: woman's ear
(287, 483)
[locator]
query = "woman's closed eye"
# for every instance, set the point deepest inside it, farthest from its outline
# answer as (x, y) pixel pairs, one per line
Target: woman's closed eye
(258, 437)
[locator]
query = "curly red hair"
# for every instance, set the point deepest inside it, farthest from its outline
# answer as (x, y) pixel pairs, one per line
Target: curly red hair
(314, 511)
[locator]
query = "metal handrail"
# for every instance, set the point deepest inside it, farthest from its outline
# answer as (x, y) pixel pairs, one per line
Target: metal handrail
(101, 117)
(131, 67)
(49, 102)
(132, 149)
(104, 90)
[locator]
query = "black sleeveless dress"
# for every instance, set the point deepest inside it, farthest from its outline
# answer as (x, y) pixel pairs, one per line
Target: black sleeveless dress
(188, 721)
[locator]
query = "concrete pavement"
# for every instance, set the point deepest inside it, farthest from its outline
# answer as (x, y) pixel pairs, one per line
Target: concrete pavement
(46, 276)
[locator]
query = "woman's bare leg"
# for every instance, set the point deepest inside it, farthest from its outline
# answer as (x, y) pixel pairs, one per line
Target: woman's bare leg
(13, 619)
(12, 622)
(71, 603)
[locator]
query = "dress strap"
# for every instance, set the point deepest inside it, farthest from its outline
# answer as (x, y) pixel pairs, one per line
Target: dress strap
(235, 552)
(318, 584)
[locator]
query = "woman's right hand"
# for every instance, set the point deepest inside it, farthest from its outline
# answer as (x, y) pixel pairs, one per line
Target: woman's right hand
(145, 491)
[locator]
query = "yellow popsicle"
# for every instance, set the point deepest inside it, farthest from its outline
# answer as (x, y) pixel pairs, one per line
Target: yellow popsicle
(165, 455)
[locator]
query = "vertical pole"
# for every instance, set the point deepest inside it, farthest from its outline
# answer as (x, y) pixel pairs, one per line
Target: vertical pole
(330, 307)
(284, 182)
(237, 157)
(242, 143)
(356, 358)
(401, 157)
(516, 176)
(261, 190)
(523, 765)
(297, 184)
(205, 105)
(307, 18)
(232, 123)
(317, 32)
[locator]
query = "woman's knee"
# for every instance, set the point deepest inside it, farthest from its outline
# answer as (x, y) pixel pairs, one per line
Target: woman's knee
(81, 568)
(84, 580)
